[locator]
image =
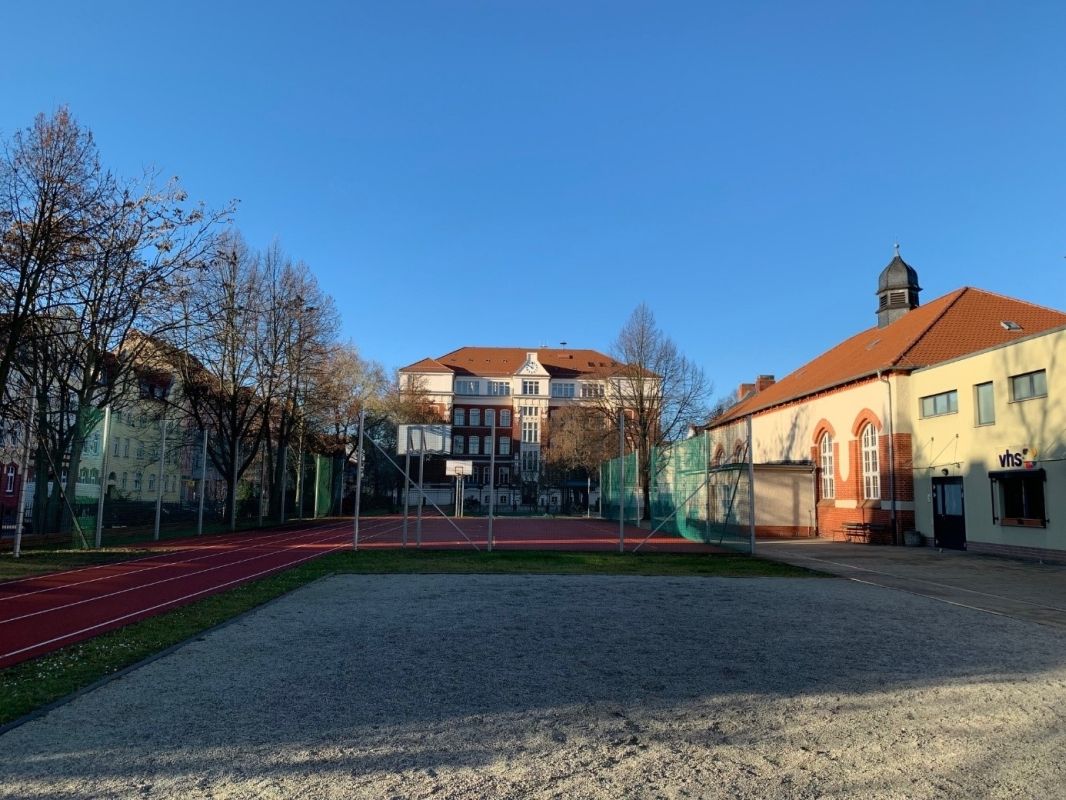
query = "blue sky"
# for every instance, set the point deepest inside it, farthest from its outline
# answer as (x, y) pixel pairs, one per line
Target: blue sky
(524, 173)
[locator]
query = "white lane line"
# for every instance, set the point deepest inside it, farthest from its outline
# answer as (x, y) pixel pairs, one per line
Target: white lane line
(172, 558)
(164, 605)
(141, 586)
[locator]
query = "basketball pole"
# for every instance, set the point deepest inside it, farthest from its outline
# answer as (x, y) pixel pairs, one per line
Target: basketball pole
(406, 481)
(421, 491)
(492, 479)
(358, 480)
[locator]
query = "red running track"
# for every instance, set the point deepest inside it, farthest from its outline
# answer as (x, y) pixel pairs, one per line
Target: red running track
(47, 612)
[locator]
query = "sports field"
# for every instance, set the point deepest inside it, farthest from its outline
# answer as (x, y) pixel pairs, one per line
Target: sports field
(474, 686)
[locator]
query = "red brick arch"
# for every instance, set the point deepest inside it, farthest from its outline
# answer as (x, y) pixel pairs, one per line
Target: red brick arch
(823, 427)
(864, 418)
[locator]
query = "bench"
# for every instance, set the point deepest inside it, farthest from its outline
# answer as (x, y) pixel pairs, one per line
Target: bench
(867, 533)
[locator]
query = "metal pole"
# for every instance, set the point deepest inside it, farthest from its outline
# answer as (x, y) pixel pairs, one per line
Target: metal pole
(588, 498)
(314, 506)
(262, 484)
(358, 481)
(621, 480)
(233, 492)
(159, 474)
(20, 514)
(203, 487)
(406, 483)
(751, 484)
(103, 479)
(421, 484)
(492, 479)
(300, 478)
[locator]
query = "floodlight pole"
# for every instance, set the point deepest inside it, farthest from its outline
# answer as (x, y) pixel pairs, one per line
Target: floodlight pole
(621, 480)
(421, 482)
(262, 482)
(492, 478)
(406, 481)
(103, 480)
(358, 481)
(203, 487)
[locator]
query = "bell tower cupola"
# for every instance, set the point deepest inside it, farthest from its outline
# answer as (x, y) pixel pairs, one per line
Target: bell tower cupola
(897, 291)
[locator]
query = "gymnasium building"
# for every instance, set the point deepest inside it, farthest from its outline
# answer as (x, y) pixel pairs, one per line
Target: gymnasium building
(947, 419)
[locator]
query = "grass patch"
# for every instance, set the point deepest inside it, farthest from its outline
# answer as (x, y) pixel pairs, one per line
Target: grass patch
(33, 684)
(39, 562)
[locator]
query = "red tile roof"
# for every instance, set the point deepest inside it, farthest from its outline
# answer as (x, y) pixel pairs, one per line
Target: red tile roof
(506, 361)
(957, 324)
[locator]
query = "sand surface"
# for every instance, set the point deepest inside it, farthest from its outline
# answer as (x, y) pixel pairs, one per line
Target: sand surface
(572, 687)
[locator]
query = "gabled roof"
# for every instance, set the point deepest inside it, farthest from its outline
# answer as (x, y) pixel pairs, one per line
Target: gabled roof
(506, 361)
(965, 321)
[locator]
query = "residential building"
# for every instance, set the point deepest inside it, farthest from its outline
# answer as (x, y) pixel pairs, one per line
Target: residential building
(516, 389)
(947, 418)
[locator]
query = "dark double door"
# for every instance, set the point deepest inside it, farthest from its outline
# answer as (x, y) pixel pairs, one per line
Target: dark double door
(949, 517)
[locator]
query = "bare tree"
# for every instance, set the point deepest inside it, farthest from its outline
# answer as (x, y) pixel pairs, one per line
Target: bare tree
(53, 197)
(661, 391)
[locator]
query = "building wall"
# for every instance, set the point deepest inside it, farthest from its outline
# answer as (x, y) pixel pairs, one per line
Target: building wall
(956, 445)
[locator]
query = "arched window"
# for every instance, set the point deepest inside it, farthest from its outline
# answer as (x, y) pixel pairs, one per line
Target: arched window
(828, 484)
(871, 471)
(9, 486)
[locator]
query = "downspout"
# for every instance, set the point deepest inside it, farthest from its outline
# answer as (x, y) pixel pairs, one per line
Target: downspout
(891, 458)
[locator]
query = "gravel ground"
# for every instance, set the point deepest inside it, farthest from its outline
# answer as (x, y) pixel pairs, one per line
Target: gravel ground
(572, 687)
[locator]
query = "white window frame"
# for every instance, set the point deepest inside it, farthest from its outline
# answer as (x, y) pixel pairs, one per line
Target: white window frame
(474, 446)
(475, 417)
(499, 388)
(505, 445)
(977, 389)
(530, 387)
(9, 485)
(871, 467)
(565, 390)
(940, 404)
(459, 417)
(490, 417)
(505, 418)
(466, 386)
(825, 449)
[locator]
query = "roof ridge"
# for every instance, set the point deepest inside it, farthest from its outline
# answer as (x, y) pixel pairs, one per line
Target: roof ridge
(896, 362)
(1013, 299)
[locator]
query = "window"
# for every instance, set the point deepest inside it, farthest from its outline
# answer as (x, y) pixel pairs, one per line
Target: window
(530, 460)
(871, 472)
(151, 483)
(126, 448)
(125, 478)
(828, 483)
(505, 418)
(562, 390)
(488, 445)
(9, 483)
(944, 403)
(529, 431)
(118, 445)
(94, 476)
(592, 390)
(505, 446)
(984, 402)
(457, 445)
(459, 417)
(505, 478)
(529, 411)
(140, 449)
(499, 388)
(466, 387)
(83, 475)
(530, 387)
(1021, 495)
(475, 416)
(475, 445)
(1031, 384)
(490, 417)
(137, 482)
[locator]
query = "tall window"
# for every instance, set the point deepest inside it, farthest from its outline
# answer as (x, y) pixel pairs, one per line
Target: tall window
(529, 431)
(9, 484)
(126, 448)
(1031, 384)
(871, 472)
(125, 480)
(505, 418)
(828, 483)
(118, 445)
(985, 403)
(490, 417)
(475, 417)
(505, 445)
(475, 445)
(457, 445)
(459, 417)
(137, 482)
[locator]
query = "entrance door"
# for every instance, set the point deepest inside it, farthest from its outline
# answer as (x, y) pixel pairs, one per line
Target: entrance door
(949, 521)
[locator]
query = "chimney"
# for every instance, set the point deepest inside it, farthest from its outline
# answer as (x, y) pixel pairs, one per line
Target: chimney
(744, 390)
(763, 382)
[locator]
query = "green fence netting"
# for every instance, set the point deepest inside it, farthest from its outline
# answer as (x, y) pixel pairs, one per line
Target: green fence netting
(620, 488)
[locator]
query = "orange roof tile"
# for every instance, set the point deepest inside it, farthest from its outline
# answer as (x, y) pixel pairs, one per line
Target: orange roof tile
(957, 324)
(506, 361)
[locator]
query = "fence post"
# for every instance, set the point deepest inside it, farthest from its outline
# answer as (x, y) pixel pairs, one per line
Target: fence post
(621, 480)
(103, 479)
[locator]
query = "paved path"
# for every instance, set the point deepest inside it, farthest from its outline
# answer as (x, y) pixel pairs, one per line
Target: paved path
(1020, 589)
